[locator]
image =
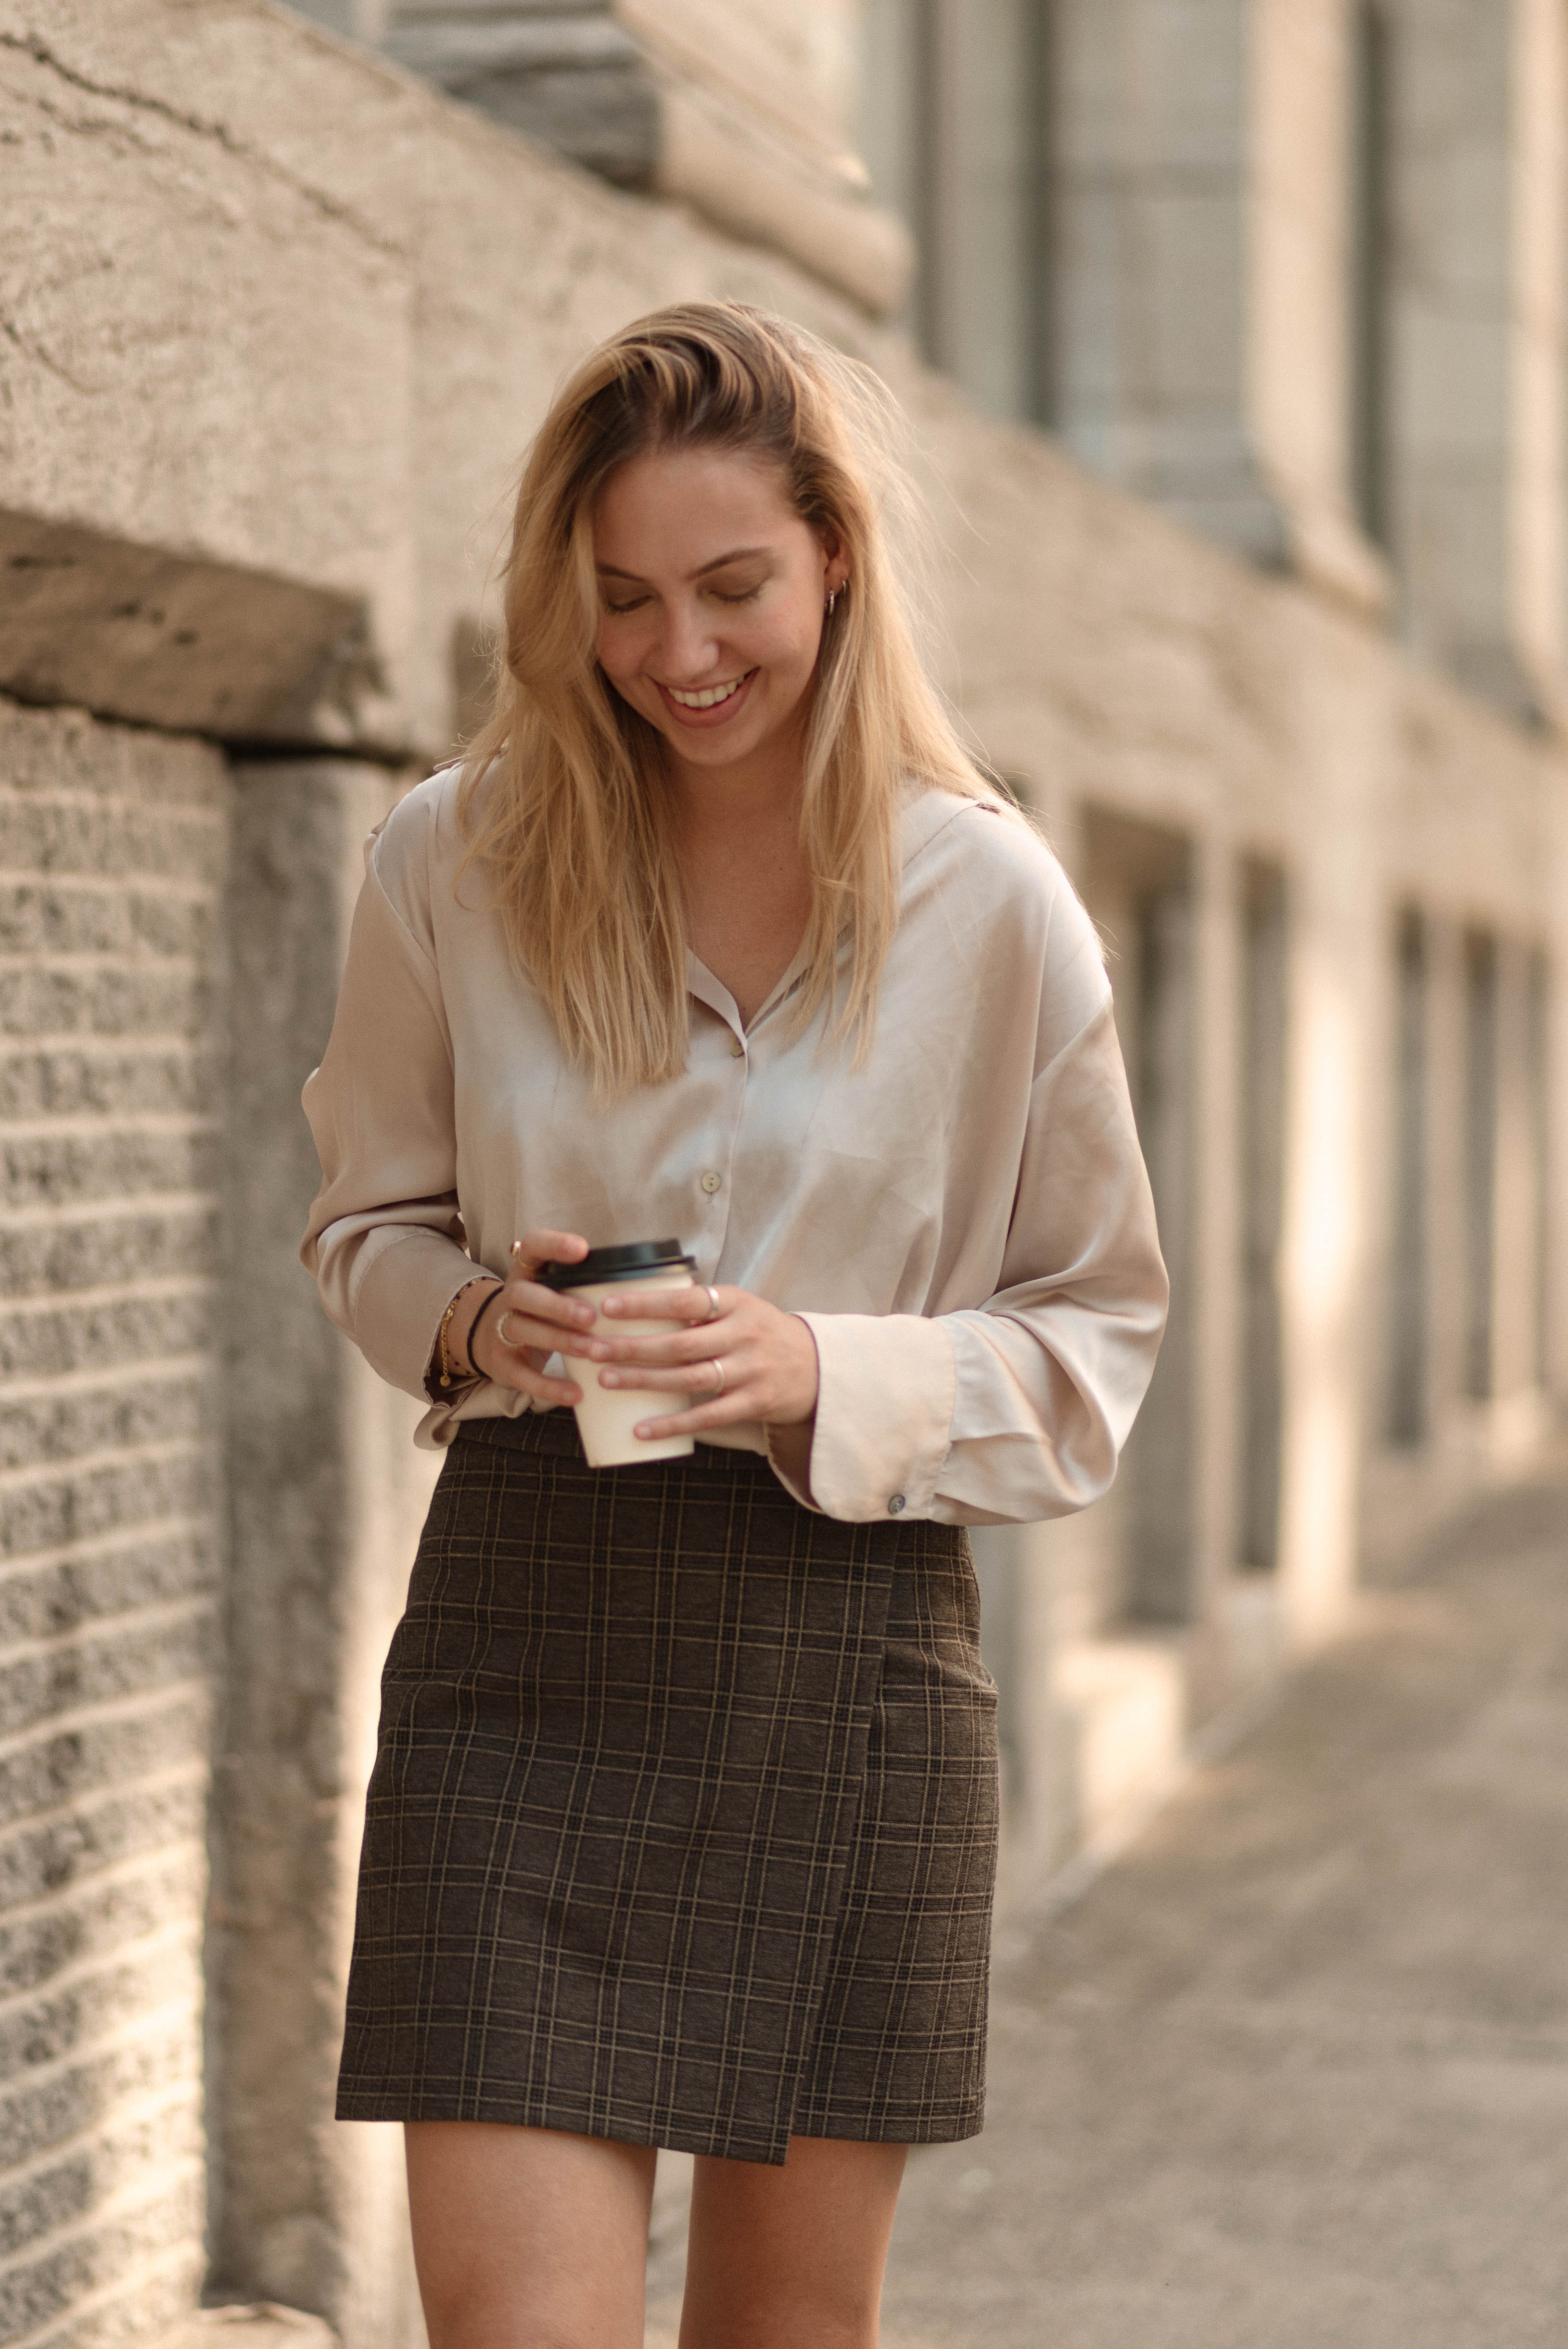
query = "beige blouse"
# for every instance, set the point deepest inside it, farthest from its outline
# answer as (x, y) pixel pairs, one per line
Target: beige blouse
(963, 1221)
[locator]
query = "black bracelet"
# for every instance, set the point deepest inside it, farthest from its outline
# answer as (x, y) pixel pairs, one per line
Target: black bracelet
(474, 1324)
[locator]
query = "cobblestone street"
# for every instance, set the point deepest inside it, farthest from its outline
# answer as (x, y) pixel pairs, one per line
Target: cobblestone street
(1294, 2070)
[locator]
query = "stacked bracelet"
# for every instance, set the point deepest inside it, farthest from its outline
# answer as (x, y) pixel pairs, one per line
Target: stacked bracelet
(474, 1324)
(447, 1374)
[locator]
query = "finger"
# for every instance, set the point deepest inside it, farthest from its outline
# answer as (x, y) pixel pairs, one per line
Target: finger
(524, 1333)
(680, 1347)
(538, 1247)
(724, 1411)
(558, 1316)
(693, 1305)
(696, 1378)
(521, 1378)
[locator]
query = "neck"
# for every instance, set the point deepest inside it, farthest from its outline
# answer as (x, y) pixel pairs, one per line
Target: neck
(750, 795)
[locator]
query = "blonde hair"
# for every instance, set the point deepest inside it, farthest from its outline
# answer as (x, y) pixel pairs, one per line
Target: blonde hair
(574, 824)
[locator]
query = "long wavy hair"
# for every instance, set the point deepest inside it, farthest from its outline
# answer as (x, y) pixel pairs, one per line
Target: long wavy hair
(563, 794)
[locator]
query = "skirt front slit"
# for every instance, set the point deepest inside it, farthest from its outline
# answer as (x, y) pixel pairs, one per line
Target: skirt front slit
(682, 1827)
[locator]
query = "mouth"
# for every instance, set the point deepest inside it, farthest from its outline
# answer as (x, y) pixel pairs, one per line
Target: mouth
(706, 705)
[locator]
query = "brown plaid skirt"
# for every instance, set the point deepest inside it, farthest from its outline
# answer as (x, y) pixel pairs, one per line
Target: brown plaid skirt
(683, 1824)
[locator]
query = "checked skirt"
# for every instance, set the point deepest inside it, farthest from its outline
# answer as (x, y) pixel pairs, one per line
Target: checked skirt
(683, 1824)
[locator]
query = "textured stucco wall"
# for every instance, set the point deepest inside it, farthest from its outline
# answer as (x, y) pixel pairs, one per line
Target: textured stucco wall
(111, 1512)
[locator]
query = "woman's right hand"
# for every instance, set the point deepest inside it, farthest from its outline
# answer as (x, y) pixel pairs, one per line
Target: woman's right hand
(540, 1322)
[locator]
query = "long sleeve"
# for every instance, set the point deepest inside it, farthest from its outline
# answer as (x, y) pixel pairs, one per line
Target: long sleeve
(384, 1237)
(1016, 1410)
(961, 1216)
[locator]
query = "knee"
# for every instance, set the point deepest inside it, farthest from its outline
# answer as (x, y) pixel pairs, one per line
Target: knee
(459, 2319)
(784, 2321)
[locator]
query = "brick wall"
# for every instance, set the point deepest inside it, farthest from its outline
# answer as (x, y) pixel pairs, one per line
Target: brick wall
(112, 846)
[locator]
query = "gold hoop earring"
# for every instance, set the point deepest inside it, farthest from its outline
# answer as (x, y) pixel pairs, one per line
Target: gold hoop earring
(832, 600)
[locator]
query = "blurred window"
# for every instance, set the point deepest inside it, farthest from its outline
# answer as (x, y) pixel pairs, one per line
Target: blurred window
(955, 111)
(1407, 1256)
(1481, 1105)
(1137, 886)
(1537, 1000)
(1370, 131)
(1261, 1097)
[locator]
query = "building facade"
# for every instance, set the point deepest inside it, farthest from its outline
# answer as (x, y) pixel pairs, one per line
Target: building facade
(1232, 342)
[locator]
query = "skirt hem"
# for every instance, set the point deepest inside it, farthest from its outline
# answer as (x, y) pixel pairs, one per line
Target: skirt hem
(676, 2137)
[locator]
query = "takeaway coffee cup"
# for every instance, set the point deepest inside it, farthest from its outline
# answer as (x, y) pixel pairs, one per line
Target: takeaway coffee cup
(606, 1415)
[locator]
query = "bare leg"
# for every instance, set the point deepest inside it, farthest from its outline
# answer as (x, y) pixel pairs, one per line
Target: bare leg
(528, 2239)
(791, 2258)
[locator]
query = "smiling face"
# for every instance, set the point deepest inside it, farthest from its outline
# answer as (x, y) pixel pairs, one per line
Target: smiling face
(711, 595)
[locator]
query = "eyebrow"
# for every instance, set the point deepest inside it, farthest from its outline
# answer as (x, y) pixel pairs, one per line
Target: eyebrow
(735, 555)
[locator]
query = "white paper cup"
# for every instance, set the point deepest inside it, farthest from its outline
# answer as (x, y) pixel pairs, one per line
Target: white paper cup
(606, 1415)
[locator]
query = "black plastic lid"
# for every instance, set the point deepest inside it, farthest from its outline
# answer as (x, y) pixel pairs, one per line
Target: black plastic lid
(616, 1264)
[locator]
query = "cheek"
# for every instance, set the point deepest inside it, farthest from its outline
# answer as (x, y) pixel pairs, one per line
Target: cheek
(792, 647)
(617, 658)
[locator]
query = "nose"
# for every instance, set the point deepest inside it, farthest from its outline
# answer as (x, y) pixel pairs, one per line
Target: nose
(688, 646)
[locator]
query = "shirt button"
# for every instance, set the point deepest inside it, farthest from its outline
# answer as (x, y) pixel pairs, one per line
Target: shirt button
(895, 1505)
(712, 1182)
(737, 1049)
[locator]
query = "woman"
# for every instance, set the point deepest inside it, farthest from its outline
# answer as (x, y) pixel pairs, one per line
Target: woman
(682, 1828)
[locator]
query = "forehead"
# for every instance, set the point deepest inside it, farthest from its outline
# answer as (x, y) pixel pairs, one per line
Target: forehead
(676, 509)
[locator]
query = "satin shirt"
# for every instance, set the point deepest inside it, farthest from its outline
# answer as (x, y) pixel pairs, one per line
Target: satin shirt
(963, 1220)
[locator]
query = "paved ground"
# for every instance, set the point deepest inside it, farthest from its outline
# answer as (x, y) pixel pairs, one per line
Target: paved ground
(1293, 2074)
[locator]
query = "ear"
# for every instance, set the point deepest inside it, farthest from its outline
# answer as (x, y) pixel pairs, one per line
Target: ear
(835, 563)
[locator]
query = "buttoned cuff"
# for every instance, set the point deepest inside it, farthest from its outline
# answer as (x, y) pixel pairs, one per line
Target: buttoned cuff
(887, 1384)
(399, 1292)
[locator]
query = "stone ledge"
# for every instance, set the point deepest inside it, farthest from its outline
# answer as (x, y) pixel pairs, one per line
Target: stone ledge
(178, 641)
(255, 2324)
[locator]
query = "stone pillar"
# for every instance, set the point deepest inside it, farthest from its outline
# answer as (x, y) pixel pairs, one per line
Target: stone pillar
(1149, 209)
(326, 1495)
(1338, 986)
(1475, 461)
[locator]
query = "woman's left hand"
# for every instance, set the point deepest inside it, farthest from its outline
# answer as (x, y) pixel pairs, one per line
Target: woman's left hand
(746, 1362)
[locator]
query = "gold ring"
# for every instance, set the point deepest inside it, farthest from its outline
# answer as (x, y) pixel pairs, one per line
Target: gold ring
(719, 1366)
(501, 1321)
(714, 1308)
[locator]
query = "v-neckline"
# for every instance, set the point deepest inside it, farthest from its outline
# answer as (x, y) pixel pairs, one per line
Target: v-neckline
(711, 989)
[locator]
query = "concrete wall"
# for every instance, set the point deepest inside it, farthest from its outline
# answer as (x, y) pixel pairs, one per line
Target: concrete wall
(284, 321)
(326, 1492)
(111, 1499)
(1114, 665)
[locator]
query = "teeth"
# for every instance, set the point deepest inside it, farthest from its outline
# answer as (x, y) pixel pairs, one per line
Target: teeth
(710, 696)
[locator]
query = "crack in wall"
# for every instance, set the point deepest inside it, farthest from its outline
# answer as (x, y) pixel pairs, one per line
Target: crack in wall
(31, 348)
(31, 45)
